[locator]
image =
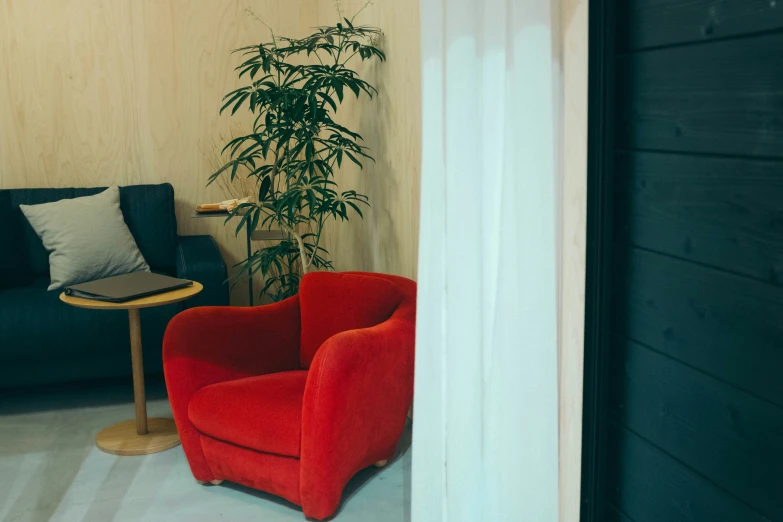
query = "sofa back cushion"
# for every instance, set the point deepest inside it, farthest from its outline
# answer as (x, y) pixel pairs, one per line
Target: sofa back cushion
(331, 303)
(148, 211)
(14, 265)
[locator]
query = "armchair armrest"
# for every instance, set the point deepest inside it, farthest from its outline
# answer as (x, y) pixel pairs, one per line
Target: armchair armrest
(356, 402)
(210, 344)
(199, 259)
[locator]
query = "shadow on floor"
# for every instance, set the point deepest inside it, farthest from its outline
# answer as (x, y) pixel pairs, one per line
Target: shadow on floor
(364, 476)
(103, 392)
(356, 484)
(58, 471)
(55, 469)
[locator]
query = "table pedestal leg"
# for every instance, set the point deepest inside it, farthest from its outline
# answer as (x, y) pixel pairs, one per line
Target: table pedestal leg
(140, 436)
(137, 360)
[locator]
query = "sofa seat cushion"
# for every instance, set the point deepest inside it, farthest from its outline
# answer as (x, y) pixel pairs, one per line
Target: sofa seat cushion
(43, 340)
(333, 303)
(262, 413)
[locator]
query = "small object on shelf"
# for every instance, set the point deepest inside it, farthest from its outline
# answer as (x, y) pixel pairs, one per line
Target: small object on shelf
(223, 207)
(207, 209)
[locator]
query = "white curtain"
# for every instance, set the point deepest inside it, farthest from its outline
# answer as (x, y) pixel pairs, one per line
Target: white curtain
(485, 435)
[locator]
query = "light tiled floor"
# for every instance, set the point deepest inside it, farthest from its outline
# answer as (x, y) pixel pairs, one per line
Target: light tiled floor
(50, 470)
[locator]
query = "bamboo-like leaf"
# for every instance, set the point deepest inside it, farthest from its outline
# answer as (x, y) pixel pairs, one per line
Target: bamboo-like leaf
(328, 99)
(266, 184)
(353, 158)
(241, 99)
(234, 169)
(222, 169)
(356, 208)
(354, 87)
(231, 100)
(242, 222)
(254, 222)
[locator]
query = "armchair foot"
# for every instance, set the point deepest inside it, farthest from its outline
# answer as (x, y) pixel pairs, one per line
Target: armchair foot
(381, 463)
(215, 482)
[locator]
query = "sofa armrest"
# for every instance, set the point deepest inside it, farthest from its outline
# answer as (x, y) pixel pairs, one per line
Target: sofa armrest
(199, 259)
(356, 402)
(211, 344)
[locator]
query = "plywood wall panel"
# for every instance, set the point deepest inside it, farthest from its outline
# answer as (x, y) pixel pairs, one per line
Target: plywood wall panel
(386, 240)
(129, 91)
(67, 97)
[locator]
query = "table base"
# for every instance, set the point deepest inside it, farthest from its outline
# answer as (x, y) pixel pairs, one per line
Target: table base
(122, 439)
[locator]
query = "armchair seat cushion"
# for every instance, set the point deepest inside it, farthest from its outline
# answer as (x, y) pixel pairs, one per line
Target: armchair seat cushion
(262, 413)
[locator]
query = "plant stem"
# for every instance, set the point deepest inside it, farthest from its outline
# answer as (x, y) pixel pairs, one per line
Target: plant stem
(302, 253)
(360, 10)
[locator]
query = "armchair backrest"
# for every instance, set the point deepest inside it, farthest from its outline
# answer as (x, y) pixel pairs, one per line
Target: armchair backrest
(331, 303)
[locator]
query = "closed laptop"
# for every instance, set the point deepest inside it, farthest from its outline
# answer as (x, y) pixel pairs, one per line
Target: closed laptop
(127, 287)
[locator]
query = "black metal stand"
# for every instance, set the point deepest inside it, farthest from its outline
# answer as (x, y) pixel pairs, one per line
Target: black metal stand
(250, 275)
(249, 247)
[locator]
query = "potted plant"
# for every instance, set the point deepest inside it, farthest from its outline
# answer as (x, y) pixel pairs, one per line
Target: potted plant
(295, 89)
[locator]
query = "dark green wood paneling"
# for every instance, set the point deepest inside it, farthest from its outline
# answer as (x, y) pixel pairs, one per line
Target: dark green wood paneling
(730, 327)
(652, 23)
(723, 212)
(722, 98)
(614, 515)
(649, 486)
(687, 163)
(729, 436)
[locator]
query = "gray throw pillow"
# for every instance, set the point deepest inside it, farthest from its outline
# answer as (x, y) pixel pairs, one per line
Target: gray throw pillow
(87, 238)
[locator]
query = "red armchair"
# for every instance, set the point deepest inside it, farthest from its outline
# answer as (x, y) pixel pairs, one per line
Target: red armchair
(295, 397)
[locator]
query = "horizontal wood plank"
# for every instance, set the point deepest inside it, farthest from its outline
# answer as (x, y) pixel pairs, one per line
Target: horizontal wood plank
(719, 431)
(652, 23)
(696, 395)
(722, 98)
(649, 486)
(722, 212)
(728, 326)
(614, 515)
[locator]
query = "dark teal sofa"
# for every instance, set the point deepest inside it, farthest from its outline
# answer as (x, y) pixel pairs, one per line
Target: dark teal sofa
(44, 341)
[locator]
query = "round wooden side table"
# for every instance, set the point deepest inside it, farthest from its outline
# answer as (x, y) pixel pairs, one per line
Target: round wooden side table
(142, 436)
